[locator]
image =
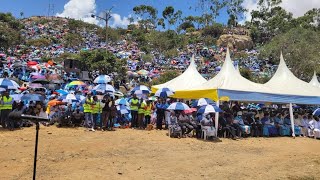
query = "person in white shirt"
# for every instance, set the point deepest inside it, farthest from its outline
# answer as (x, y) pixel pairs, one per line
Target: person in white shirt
(312, 123)
(316, 130)
(304, 124)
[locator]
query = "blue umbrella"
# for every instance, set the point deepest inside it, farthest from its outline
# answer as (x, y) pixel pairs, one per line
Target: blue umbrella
(203, 102)
(209, 109)
(122, 101)
(104, 88)
(141, 89)
(8, 84)
(32, 97)
(63, 92)
(316, 112)
(164, 92)
(178, 106)
(102, 79)
(123, 109)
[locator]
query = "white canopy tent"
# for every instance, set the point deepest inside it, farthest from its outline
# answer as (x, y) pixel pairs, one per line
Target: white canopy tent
(285, 82)
(314, 81)
(188, 79)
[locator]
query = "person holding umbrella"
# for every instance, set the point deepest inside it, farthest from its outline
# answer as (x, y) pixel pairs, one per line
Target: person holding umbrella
(6, 103)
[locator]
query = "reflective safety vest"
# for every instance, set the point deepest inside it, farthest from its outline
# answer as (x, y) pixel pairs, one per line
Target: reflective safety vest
(134, 104)
(7, 103)
(97, 108)
(147, 110)
(1, 103)
(141, 108)
(87, 108)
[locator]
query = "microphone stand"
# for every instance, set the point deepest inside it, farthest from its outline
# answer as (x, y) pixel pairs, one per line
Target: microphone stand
(36, 151)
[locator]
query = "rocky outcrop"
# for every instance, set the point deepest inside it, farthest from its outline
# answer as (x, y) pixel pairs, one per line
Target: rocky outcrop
(240, 42)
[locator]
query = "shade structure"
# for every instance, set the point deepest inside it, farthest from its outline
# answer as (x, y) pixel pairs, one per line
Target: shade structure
(178, 106)
(314, 81)
(182, 84)
(104, 88)
(164, 92)
(32, 97)
(204, 102)
(102, 79)
(140, 89)
(76, 83)
(8, 84)
(287, 85)
(230, 80)
(209, 109)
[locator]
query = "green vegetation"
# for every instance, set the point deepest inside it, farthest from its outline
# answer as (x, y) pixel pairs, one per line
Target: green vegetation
(9, 31)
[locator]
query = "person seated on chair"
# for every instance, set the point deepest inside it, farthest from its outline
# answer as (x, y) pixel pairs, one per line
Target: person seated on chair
(207, 125)
(279, 124)
(174, 127)
(312, 123)
(225, 126)
(266, 121)
(297, 125)
(184, 123)
(239, 120)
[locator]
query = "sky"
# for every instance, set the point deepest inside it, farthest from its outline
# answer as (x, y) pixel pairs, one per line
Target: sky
(122, 9)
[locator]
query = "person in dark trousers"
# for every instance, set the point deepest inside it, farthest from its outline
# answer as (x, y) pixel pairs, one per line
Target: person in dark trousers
(224, 126)
(160, 113)
(134, 111)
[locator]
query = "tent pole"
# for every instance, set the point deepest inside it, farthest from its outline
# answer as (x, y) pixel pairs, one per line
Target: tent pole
(216, 120)
(292, 121)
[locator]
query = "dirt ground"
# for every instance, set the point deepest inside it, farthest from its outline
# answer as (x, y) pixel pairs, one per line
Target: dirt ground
(67, 153)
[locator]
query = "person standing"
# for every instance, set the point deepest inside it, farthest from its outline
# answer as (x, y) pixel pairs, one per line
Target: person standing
(88, 107)
(3, 123)
(134, 111)
(96, 112)
(6, 103)
(113, 114)
(141, 107)
(160, 113)
(147, 113)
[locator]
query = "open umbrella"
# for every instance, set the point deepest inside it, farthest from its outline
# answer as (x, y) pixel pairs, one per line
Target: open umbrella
(122, 101)
(32, 97)
(178, 106)
(63, 92)
(204, 102)
(8, 84)
(140, 89)
(316, 112)
(38, 77)
(209, 109)
(102, 79)
(76, 83)
(164, 92)
(123, 109)
(41, 81)
(104, 88)
(55, 102)
(143, 72)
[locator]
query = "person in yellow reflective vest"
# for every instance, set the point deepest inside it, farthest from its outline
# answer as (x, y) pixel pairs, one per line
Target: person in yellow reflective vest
(134, 111)
(87, 109)
(6, 103)
(147, 112)
(96, 112)
(3, 123)
(141, 106)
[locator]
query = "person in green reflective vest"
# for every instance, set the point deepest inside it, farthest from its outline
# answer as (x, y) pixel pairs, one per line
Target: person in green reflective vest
(87, 109)
(134, 111)
(6, 103)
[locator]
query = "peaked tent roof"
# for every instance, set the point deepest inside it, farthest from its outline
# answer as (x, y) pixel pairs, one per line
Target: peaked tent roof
(314, 81)
(230, 79)
(188, 79)
(286, 83)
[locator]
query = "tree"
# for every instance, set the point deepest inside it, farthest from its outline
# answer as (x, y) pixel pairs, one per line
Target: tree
(147, 16)
(105, 63)
(300, 48)
(235, 10)
(9, 31)
(215, 6)
(171, 16)
(73, 39)
(165, 77)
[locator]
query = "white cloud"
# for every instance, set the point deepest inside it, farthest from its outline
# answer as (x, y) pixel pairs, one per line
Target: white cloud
(117, 21)
(81, 10)
(296, 7)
